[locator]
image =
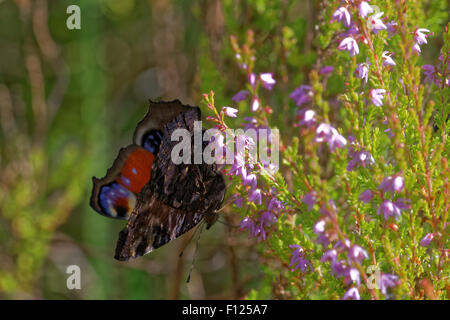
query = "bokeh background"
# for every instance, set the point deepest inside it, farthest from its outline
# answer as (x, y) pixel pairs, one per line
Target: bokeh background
(70, 99)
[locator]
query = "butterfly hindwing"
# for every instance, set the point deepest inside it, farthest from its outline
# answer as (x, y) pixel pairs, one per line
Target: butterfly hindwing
(115, 194)
(175, 200)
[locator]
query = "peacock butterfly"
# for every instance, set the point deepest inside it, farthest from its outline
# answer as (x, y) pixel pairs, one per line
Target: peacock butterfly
(160, 199)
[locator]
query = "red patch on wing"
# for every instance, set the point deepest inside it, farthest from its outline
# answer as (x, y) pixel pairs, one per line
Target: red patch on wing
(136, 171)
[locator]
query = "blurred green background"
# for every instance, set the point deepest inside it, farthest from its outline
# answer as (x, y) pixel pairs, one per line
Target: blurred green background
(69, 99)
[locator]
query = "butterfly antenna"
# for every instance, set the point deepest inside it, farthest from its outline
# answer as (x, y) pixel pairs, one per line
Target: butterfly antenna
(190, 239)
(195, 254)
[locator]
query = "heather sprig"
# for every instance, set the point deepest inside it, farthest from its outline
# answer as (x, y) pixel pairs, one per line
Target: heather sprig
(358, 208)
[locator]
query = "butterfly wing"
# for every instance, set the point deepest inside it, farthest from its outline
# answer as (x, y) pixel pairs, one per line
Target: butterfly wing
(175, 200)
(115, 194)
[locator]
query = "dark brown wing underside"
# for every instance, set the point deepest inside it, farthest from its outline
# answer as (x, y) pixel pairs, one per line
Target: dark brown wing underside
(175, 200)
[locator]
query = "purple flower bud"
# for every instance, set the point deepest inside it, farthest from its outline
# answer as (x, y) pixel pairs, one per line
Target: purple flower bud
(391, 28)
(307, 117)
(389, 209)
(427, 239)
(420, 37)
(416, 49)
(357, 254)
(387, 281)
(255, 196)
(364, 9)
(249, 224)
(349, 44)
(366, 196)
(274, 205)
(327, 133)
(352, 294)
(326, 70)
(252, 79)
(392, 184)
(267, 218)
(353, 276)
(230, 112)
(240, 96)
(342, 245)
(362, 71)
(377, 96)
(343, 15)
(298, 259)
(250, 180)
(302, 95)
(387, 60)
(319, 227)
(267, 80)
(255, 104)
(309, 199)
(375, 22)
(239, 202)
(330, 255)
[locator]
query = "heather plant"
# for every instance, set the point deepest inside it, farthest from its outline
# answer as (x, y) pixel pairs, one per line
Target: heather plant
(358, 208)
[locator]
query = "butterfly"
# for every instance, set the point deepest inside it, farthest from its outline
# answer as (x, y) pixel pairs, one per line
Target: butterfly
(160, 199)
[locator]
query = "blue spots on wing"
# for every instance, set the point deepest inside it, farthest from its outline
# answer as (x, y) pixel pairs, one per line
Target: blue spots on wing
(116, 201)
(125, 181)
(152, 141)
(134, 171)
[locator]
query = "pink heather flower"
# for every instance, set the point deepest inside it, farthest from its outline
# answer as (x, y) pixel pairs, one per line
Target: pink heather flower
(430, 74)
(366, 196)
(391, 28)
(267, 80)
(240, 96)
(362, 71)
(420, 37)
(376, 23)
(310, 199)
(361, 158)
(327, 133)
(392, 184)
(306, 117)
(364, 9)
(250, 180)
(343, 15)
(230, 112)
(267, 218)
(330, 255)
(357, 254)
(319, 227)
(427, 239)
(352, 31)
(326, 70)
(342, 245)
(255, 196)
(386, 281)
(252, 79)
(387, 60)
(389, 208)
(377, 96)
(255, 104)
(416, 49)
(352, 294)
(239, 202)
(302, 95)
(298, 259)
(249, 224)
(352, 277)
(350, 45)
